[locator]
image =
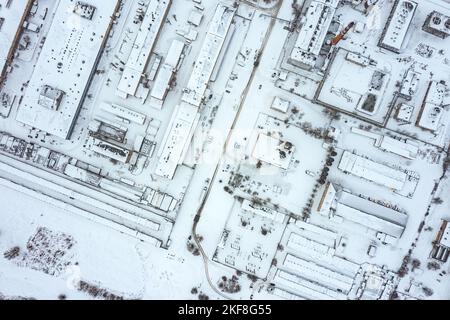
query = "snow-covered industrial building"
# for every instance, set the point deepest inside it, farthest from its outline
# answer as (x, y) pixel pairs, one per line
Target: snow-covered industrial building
(166, 73)
(12, 17)
(123, 113)
(372, 171)
(315, 24)
(65, 68)
(437, 24)
(432, 112)
(176, 139)
(371, 214)
(395, 32)
(366, 96)
(144, 42)
(110, 150)
(209, 54)
(441, 248)
(273, 151)
(185, 116)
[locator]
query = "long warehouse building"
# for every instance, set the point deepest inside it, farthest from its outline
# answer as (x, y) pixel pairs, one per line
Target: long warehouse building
(66, 66)
(147, 35)
(185, 116)
(209, 54)
(12, 17)
(373, 171)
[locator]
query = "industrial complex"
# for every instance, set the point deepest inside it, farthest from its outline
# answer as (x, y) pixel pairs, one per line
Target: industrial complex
(225, 149)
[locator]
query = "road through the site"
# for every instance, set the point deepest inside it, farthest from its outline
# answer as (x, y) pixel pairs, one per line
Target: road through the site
(273, 14)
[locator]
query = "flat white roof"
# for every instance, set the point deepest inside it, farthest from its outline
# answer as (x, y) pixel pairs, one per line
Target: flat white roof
(317, 21)
(299, 242)
(373, 208)
(123, 112)
(445, 239)
(315, 232)
(176, 139)
(110, 150)
(436, 93)
(143, 45)
(11, 17)
(82, 174)
(195, 17)
(432, 111)
(319, 274)
(404, 149)
(369, 221)
(269, 149)
(66, 63)
(209, 53)
(372, 171)
(400, 19)
(280, 104)
(312, 34)
(400, 146)
(285, 294)
(438, 22)
(306, 288)
(263, 211)
(431, 116)
(174, 53)
(330, 260)
(328, 196)
(161, 84)
(410, 83)
(405, 112)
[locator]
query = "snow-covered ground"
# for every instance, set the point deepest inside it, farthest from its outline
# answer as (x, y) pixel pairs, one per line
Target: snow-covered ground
(265, 201)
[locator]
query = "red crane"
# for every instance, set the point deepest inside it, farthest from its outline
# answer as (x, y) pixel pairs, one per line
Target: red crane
(341, 34)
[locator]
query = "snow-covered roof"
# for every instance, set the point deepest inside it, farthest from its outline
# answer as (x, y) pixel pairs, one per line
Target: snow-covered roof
(280, 104)
(123, 112)
(305, 288)
(373, 208)
(11, 15)
(372, 171)
(299, 242)
(271, 150)
(176, 139)
(315, 25)
(410, 83)
(445, 236)
(432, 111)
(436, 92)
(195, 17)
(326, 201)
(438, 24)
(369, 221)
(263, 211)
(174, 53)
(400, 19)
(161, 84)
(404, 112)
(209, 54)
(110, 150)
(336, 281)
(66, 62)
(404, 149)
(143, 45)
(317, 233)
